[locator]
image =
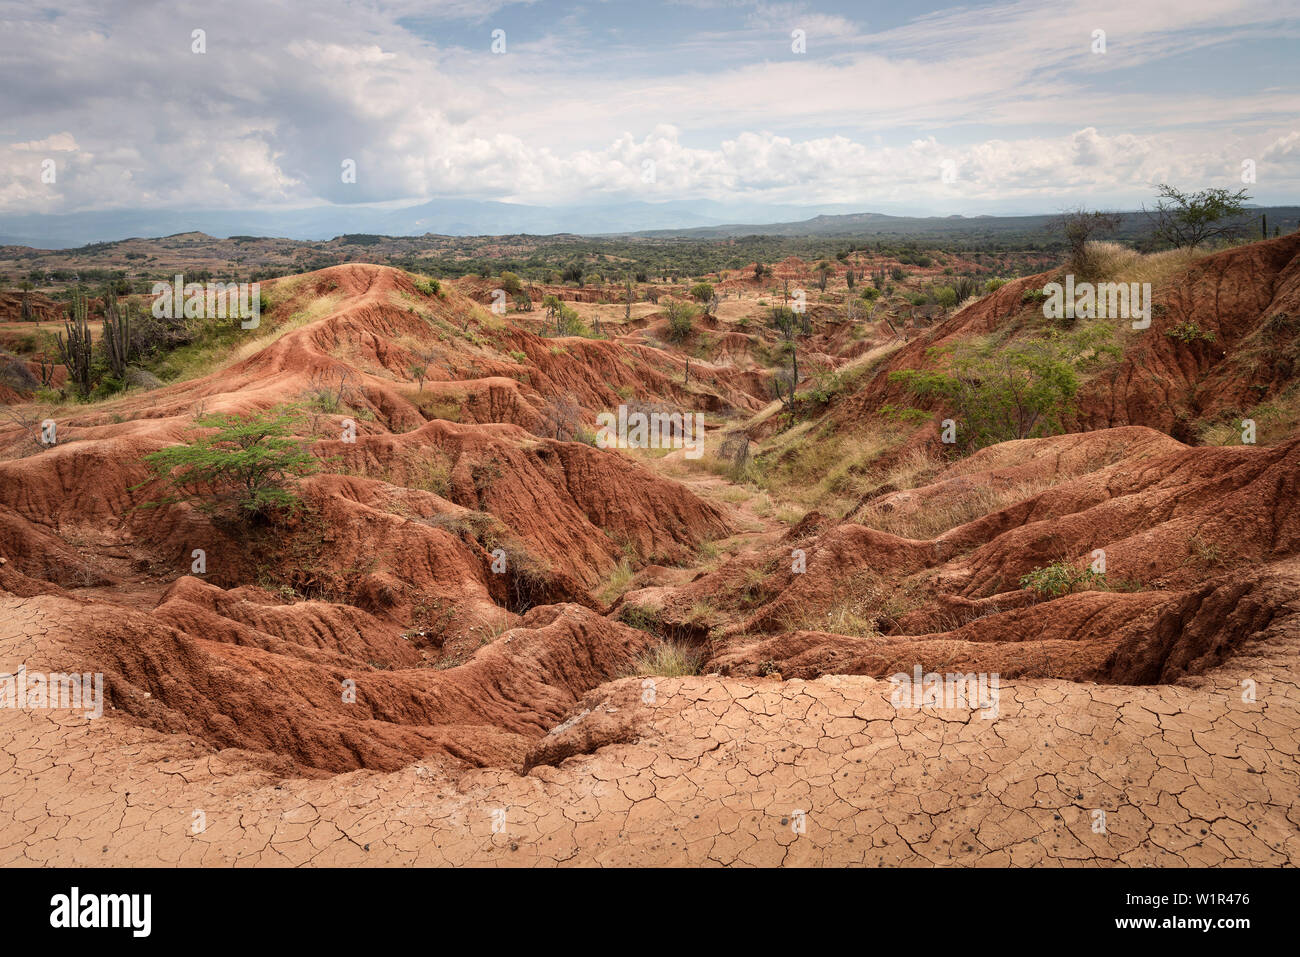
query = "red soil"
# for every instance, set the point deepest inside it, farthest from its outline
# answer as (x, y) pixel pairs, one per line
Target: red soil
(474, 690)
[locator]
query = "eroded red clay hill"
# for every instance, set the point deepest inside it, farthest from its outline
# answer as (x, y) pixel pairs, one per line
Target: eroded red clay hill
(358, 686)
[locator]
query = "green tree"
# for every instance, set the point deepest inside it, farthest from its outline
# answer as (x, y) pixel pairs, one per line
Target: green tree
(250, 462)
(1186, 220)
(419, 371)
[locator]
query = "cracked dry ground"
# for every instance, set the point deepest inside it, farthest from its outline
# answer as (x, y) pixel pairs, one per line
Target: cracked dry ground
(711, 771)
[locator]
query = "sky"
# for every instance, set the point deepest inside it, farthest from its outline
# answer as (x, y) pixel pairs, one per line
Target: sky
(917, 107)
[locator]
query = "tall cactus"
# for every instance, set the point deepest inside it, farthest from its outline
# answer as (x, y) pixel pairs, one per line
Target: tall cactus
(75, 350)
(117, 334)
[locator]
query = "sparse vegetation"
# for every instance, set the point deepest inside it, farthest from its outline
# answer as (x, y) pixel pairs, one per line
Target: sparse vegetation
(1061, 578)
(1081, 227)
(681, 319)
(996, 392)
(669, 659)
(1189, 331)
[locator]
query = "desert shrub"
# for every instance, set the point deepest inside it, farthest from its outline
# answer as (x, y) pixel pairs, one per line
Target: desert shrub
(965, 287)
(15, 374)
(482, 527)
(1080, 227)
(331, 393)
(618, 581)
(511, 284)
(993, 285)
(434, 406)
(669, 659)
(565, 319)
(784, 320)
(430, 471)
(681, 319)
(571, 324)
(152, 336)
(562, 419)
(1061, 578)
(1188, 331)
(428, 287)
(735, 454)
(1016, 390)
(903, 413)
(248, 461)
(1282, 325)
(825, 384)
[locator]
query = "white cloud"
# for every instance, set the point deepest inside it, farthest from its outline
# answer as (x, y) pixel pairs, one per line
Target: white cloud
(1006, 94)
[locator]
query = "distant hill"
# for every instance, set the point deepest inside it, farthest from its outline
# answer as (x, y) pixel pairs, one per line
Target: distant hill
(938, 228)
(700, 221)
(444, 217)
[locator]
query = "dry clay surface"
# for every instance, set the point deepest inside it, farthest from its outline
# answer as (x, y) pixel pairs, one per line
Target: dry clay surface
(704, 771)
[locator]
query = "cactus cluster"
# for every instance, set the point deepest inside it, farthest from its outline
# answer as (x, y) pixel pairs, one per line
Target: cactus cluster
(117, 334)
(75, 351)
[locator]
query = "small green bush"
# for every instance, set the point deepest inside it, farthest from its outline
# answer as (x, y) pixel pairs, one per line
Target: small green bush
(1188, 331)
(1003, 391)
(681, 319)
(1061, 578)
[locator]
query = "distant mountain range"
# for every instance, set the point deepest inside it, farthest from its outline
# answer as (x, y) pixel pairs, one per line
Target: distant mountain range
(446, 217)
(701, 220)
